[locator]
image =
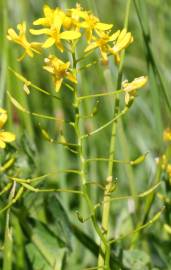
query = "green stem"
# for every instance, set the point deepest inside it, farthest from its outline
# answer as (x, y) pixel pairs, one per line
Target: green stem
(4, 51)
(101, 94)
(104, 257)
(8, 241)
(82, 163)
(113, 120)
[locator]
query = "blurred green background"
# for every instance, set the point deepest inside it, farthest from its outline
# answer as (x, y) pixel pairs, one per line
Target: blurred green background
(139, 132)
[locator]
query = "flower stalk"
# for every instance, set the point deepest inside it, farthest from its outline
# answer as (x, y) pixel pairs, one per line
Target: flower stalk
(104, 257)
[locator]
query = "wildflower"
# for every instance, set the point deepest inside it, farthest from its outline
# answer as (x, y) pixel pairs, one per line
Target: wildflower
(72, 18)
(131, 87)
(123, 41)
(30, 48)
(4, 136)
(91, 23)
(102, 42)
(59, 70)
(167, 135)
(51, 15)
(53, 23)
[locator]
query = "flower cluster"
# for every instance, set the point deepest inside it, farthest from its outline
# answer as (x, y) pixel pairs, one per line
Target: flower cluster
(63, 29)
(4, 135)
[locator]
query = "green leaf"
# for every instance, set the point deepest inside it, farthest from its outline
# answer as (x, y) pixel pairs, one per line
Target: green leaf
(60, 219)
(135, 259)
(36, 258)
(44, 250)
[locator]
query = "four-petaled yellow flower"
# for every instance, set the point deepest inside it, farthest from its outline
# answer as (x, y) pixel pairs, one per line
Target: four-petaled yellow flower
(53, 25)
(124, 39)
(5, 137)
(51, 15)
(59, 70)
(111, 44)
(131, 87)
(102, 42)
(30, 48)
(91, 23)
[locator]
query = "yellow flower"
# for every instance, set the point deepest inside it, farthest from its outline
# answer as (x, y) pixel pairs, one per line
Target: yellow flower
(167, 135)
(102, 42)
(124, 39)
(72, 18)
(53, 22)
(50, 16)
(91, 23)
(4, 136)
(30, 48)
(131, 87)
(59, 70)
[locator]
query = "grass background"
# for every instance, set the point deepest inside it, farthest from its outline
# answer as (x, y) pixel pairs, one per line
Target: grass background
(139, 132)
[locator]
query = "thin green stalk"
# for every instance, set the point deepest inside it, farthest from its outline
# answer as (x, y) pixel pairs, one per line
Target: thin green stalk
(8, 241)
(82, 163)
(148, 204)
(140, 5)
(101, 95)
(103, 260)
(4, 51)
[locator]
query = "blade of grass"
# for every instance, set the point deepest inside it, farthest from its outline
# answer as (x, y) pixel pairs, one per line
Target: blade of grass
(4, 50)
(143, 20)
(104, 259)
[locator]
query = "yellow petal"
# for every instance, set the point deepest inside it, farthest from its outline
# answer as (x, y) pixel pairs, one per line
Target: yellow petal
(84, 25)
(135, 84)
(3, 117)
(47, 11)
(57, 22)
(29, 52)
(59, 45)
(48, 43)
(7, 136)
(2, 144)
(104, 26)
(22, 27)
(114, 36)
(49, 69)
(41, 21)
(91, 47)
(58, 84)
(122, 34)
(45, 31)
(12, 34)
(104, 57)
(71, 77)
(70, 35)
(124, 42)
